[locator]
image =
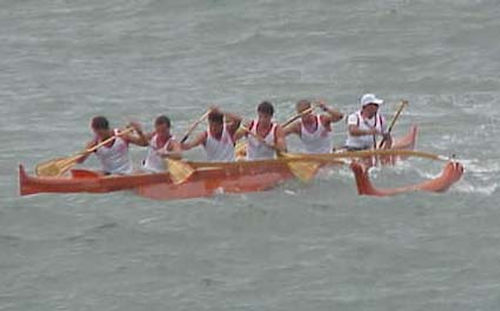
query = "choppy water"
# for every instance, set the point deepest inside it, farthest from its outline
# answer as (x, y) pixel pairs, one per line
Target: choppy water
(315, 247)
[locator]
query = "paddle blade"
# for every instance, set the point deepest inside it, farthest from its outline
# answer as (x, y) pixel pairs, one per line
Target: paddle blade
(305, 171)
(240, 151)
(179, 171)
(56, 167)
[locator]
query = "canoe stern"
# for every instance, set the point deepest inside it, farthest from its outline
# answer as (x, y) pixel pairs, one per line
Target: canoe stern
(24, 185)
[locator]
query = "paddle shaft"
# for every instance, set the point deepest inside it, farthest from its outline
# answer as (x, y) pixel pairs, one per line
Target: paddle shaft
(297, 116)
(107, 141)
(194, 125)
(393, 122)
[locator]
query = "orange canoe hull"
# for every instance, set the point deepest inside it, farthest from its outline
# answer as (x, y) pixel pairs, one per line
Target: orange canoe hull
(84, 181)
(238, 177)
(210, 179)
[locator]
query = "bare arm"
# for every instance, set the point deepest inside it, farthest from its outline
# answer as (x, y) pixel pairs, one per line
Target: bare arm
(149, 136)
(200, 139)
(234, 122)
(147, 139)
(331, 115)
(293, 128)
(386, 134)
(173, 150)
(89, 145)
(280, 140)
(387, 142)
(240, 133)
(354, 130)
(139, 139)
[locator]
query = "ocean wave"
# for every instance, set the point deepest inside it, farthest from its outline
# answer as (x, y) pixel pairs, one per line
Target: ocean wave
(467, 187)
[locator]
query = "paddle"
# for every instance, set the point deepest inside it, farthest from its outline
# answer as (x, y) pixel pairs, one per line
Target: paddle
(305, 170)
(403, 104)
(57, 167)
(180, 171)
(194, 125)
(297, 116)
(241, 146)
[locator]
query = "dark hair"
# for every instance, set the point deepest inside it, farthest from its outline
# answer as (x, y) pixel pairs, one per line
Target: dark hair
(162, 120)
(216, 117)
(266, 107)
(99, 123)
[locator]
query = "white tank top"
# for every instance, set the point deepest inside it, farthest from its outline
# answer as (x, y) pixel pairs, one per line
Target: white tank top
(365, 141)
(219, 150)
(115, 159)
(257, 150)
(318, 141)
(154, 162)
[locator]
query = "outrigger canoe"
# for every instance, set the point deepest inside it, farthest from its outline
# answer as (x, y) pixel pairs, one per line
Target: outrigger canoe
(207, 180)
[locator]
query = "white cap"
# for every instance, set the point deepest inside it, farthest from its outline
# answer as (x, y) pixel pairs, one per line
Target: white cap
(370, 99)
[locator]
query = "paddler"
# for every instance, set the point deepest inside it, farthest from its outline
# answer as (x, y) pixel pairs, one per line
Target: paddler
(272, 136)
(218, 140)
(314, 130)
(366, 124)
(161, 144)
(114, 156)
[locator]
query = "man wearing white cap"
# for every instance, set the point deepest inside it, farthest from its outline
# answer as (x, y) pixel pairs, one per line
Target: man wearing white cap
(366, 124)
